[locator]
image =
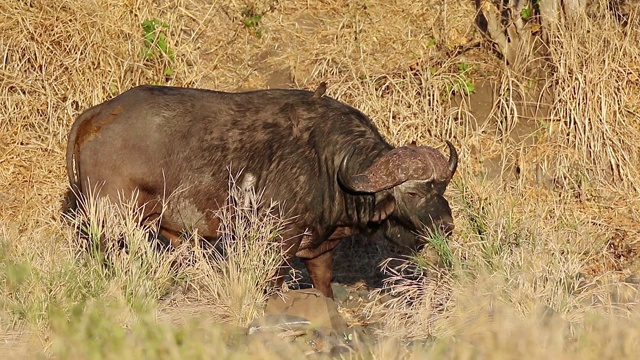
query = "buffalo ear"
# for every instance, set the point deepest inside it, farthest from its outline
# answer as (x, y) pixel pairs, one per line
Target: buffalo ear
(384, 207)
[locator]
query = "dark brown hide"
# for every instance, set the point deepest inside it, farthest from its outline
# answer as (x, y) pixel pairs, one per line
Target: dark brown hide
(177, 146)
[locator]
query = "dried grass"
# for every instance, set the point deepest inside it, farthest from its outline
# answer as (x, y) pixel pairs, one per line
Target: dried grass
(418, 297)
(119, 252)
(237, 276)
(555, 227)
(595, 95)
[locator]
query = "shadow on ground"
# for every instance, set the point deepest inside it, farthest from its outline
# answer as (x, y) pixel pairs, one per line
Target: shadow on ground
(356, 263)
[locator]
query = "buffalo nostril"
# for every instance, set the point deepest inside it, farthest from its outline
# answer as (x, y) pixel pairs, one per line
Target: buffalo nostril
(447, 227)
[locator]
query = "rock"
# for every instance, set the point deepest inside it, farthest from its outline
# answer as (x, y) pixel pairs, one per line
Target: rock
(304, 318)
(582, 285)
(364, 294)
(359, 333)
(339, 351)
(277, 332)
(309, 304)
(418, 346)
(632, 279)
(352, 302)
(321, 340)
(261, 342)
(279, 323)
(547, 314)
(234, 336)
(271, 330)
(623, 293)
(385, 298)
(358, 338)
(340, 293)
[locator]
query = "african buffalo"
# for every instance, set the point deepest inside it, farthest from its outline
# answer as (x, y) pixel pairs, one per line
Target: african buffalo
(323, 160)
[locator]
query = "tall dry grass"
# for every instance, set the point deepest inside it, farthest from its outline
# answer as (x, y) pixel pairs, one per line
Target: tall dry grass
(546, 244)
(118, 251)
(237, 277)
(597, 96)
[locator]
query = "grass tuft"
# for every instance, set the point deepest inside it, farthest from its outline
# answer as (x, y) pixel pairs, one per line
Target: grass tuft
(121, 252)
(238, 274)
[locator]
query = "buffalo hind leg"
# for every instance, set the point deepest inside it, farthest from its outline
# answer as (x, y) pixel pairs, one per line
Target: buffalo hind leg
(320, 270)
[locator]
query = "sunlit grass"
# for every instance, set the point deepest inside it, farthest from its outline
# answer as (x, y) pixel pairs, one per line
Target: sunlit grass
(540, 265)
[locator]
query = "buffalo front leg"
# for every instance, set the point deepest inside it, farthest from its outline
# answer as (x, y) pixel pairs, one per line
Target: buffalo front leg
(320, 270)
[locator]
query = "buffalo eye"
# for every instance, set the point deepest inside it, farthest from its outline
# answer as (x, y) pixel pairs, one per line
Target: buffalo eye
(412, 194)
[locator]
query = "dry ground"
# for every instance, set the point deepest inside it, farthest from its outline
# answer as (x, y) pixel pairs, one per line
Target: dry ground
(544, 261)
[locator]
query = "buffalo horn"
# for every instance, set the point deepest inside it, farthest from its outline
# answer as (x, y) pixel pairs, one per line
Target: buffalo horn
(399, 165)
(453, 158)
(343, 173)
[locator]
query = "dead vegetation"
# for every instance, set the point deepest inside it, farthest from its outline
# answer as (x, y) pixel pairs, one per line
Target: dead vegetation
(544, 260)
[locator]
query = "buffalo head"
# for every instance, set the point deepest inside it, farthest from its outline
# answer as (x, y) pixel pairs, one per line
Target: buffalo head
(408, 184)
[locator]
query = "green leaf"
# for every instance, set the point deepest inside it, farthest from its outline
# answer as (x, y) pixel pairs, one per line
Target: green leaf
(148, 26)
(251, 19)
(468, 88)
(155, 40)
